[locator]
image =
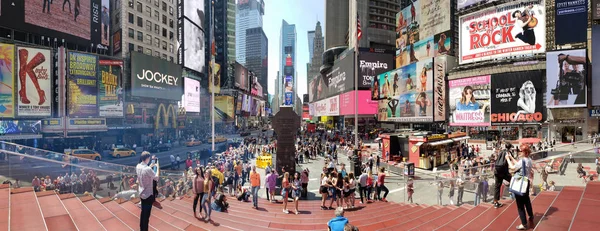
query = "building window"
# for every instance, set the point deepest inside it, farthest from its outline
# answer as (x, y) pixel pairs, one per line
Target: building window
(164, 46)
(157, 42)
(171, 58)
(131, 4)
(148, 51)
(130, 18)
(131, 47)
(140, 49)
(156, 54)
(139, 7)
(171, 35)
(156, 29)
(156, 15)
(164, 34)
(164, 57)
(149, 39)
(171, 10)
(171, 23)
(149, 11)
(164, 6)
(148, 25)
(140, 36)
(140, 22)
(171, 48)
(164, 19)
(131, 33)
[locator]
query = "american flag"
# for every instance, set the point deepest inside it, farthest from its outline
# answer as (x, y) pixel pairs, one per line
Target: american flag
(358, 30)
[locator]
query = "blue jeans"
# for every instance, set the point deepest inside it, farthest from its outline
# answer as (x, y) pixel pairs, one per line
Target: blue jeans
(255, 195)
(206, 204)
(477, 198)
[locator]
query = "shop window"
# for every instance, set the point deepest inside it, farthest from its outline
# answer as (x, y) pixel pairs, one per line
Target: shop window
(509, 133)
(529, 132)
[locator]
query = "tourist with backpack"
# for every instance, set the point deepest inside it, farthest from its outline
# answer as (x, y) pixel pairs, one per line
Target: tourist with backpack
(501, 173)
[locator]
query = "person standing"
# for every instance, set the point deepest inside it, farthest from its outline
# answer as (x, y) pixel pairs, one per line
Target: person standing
(460, 185)
(525, 166)
(285, 189)
(47, 2)
(198, 189)
(255, 183)
(208, 191)
(65, 2)
(146, 179)
(381, 185)
(501, 173)
(77, 7)
(362, 186)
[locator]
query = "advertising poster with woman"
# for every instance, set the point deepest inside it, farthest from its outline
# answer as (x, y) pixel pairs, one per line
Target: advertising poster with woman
(410, 93)
(517, 98)
(34, 85)
(7, 86)
(469, 101)
(566, 75)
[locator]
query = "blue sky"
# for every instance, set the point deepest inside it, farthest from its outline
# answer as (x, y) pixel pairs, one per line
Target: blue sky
(302, 13)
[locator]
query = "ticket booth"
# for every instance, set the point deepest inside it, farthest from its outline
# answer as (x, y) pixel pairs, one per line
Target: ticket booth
(429, 151)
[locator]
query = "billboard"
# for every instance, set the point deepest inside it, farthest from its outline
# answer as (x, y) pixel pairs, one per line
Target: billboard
(517, 98)
(366, 106)
(104, 19)
(512, 29)
(192, 95)
(255, 87)
(410, 93)
(193, 47)
(288, 98)
(340, 78)
(214, 82)
(117, 41)
(461, 4)
(469, 101)
(570, 25)
(110, 88)
(327, 107)
(194, 11)
(595, 9)
(241, 76)
(372, 64)
(18, 127)
(82, 85)
(153, 77)
(566, 74)
(595, 101)
(7, 80)
(439, 88)
(34, 85)
(224, 108)
(428, 17)
(317, 89)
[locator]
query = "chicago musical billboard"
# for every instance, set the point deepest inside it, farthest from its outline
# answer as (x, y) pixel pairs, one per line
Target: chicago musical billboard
(517, 98)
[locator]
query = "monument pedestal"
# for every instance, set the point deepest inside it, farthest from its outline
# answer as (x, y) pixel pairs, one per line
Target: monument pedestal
(286, 123)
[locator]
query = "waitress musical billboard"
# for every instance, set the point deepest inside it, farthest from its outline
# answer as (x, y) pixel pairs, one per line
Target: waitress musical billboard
(511, 29)
(469, 101)
(517, 98)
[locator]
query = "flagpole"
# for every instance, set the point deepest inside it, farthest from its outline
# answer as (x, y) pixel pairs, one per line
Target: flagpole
(356, 82)
(212, 73)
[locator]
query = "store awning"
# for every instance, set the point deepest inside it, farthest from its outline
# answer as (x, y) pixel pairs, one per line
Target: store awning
(419, 144)
(461, 138)
(440, 142)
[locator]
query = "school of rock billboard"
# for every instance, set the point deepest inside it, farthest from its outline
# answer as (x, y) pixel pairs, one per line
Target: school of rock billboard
(34, 82)
(469, 101)
(517, 98)
(512, 29)
(566, 76)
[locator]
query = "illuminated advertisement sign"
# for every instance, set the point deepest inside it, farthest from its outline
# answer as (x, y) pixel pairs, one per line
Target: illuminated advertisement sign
(512, 29)
(7, 80)
(82, 85)
(34, 84)
(110, 88)
(469, 101)
(154, 77)
(192, 95)
(517, 99)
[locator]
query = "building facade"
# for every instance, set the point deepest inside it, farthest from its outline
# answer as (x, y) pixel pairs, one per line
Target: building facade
(316, 55)
(221, 28)
(336, 22)
(249, 14)
(287, 54)
(257, 50)
(378, 23)
(231, 24)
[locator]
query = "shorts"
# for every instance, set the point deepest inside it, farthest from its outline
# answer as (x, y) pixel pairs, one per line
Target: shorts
(349, 193)
(284, 192)
(323, 189)
(332, 193)
(296, 193)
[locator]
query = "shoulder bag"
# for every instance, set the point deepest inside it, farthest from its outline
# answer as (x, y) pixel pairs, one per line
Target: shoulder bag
(519, 182)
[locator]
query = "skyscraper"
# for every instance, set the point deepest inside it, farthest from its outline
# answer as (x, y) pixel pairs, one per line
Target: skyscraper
(378, 19)
(316, 59)
(337, 23)
(249, 14)
(220, 36)
(231, 11)
(311, 42)
(287, 58)
(257, 50)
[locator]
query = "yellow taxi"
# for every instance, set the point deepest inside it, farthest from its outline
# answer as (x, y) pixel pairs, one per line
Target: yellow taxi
(192, 142)
(122, 152)
(218, 139)
(83, 153)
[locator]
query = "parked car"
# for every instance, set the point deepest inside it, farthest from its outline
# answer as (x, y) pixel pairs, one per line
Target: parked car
(83, 153)
(218, 139)
(122, 152)
(159, 148)
(192, 142)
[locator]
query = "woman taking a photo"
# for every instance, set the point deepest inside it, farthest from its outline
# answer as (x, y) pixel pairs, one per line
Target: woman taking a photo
(523, 201)
(198, 188)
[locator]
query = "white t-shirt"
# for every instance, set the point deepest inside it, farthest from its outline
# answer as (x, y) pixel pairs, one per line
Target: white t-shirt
(528, 166)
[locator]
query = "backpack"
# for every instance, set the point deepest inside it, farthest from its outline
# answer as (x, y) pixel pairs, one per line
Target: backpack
(501, 164)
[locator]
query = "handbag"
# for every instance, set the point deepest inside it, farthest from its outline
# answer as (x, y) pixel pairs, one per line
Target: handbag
(519, 182)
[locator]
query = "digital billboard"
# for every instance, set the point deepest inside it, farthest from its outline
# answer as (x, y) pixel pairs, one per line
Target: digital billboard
(18, 127)
(241, 76)
(104, 19)
(469, 101)
(366, 106)
(193, 47)
(192, 95)
(82, 85)
(517, 98)
(7, 80)
(566, 75)
(370, 65)
(154, 77)
(512, 29)
(214, 80)
(224, 110)
(461, 4)
(340, 78)
(595, 82)
(34, 85)
(110, 88)
(571, 21)
(439, 88)
(194, 11)
(255, 87)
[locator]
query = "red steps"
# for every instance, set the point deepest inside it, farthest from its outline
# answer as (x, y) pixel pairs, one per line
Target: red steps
(560, 213)
(433, 224)
(459, 221)
(55, 214)
(188, 216)
(108, 219)
(586, 217)
(81, 215)
(384, 220)
(4, 207)
(441, 211)
(506, 220)
(481, 221)
(25, 213)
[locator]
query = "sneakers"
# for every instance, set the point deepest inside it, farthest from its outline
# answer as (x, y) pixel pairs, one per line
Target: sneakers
(286, 211)
(497, 205)
(521, 227)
